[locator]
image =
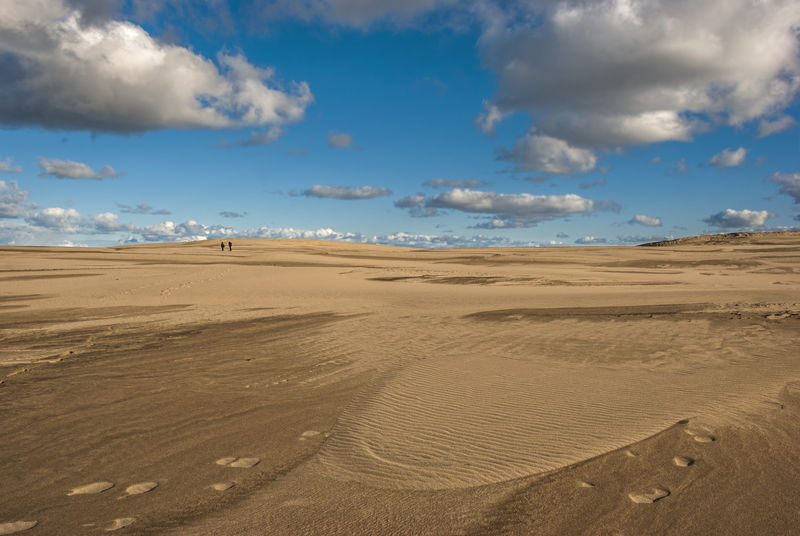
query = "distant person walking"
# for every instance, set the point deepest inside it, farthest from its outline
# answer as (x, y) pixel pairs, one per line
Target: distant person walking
(223, 246)
(230, 246)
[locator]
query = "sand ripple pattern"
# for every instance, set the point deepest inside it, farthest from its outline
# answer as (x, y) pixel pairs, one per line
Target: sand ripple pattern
(460, 420)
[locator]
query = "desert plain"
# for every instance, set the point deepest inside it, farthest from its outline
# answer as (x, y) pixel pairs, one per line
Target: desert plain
(313, 388)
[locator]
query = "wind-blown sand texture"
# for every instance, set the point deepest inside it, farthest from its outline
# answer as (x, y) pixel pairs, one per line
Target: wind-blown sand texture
(301, 387)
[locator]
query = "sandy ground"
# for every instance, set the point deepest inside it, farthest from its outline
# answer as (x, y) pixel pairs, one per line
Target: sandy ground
(300, 387)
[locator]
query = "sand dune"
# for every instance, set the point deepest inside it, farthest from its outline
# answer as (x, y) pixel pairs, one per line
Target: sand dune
(301, 387)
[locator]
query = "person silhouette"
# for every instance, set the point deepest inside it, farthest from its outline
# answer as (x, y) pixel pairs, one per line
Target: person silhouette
(230, 246)
(223, 246)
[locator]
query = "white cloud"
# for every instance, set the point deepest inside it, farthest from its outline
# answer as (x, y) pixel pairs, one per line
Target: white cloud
(13, 201)
(6, 166)
(400, 238)
(336, 192)
(340, 140)
(409, 201)
(453, 183)
(24, 234)
(323, 233)
(488, 119)
(415, 204)
(514, 210)
(66, 221)
(112, 76)
(730, 218)
(647, 221)
(108, 222)
(68, 169)
(587, 240)
(57, 218)
(729, 158)
(790, 184)
(534, 152)
(639, 239)
(607, 73)
(767, 128)
(190, 230)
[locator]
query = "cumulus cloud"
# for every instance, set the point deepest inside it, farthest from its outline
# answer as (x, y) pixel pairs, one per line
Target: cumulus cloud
(608, 73)
(142, 208)
(108, 222)
(336, 192)
(415, 204)
(112, 76)
(588, 240)
(169, 231)
(7, 166)
(647, 221)
(24, 234)
(57, 218)
(400, 238)
(453, 183)
(730, 218)
(790, 184)
(488, 119)
(515, 210)
(339, 140)
(409, 201)
(13, 201)
(68, 169)
(535, 152)
(70, 221)
(640, 239)
(767, 127)
(729, 158)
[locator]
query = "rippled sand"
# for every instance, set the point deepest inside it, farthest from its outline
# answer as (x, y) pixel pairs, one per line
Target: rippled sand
(299, 387)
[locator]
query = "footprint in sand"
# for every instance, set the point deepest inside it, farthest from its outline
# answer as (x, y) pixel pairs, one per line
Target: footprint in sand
(90, 489)
(141, 487)
(16, 526)
(120, 523)
(308, 434)
(222, 486)
(702, 436)
(244, 463)
(648, 497)
(682, 461)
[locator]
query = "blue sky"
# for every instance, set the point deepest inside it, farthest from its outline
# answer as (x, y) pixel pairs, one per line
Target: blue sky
(426, 123)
